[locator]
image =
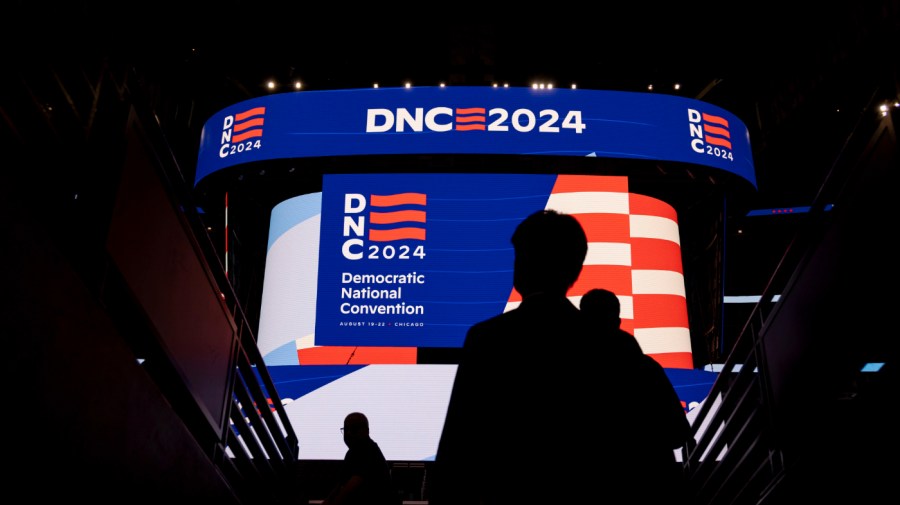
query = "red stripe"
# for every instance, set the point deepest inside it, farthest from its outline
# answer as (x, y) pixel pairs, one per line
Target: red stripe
(239, 127)
(246, 135)
(605, 227)
(719, 120)
(397, 217)
(398, 199)
(716, 141)
(641, 205)
(471, 119)
(466, 128)
(396, 234)
(256, 111)
(655, 254)
(715, 130)
(674, 359)
(578, 183)
(471, 110)
(338, 355)
(660, 311)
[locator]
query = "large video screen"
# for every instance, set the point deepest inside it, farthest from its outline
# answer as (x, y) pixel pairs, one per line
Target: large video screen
(367, 278)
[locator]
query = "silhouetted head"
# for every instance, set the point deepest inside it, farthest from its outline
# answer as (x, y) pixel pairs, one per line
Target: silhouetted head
(601, 307)
(550, 248)
(356, 428)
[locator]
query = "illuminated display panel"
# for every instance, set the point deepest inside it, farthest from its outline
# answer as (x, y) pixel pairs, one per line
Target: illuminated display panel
(370, 283)
(476, 120)
(364, 276)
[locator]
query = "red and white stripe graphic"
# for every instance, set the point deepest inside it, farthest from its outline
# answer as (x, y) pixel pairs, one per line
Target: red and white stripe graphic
(634, 250)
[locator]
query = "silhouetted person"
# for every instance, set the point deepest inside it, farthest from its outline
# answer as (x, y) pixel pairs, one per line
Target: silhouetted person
(603, 310)
(527, 419)
(659, 424)
(365, 477)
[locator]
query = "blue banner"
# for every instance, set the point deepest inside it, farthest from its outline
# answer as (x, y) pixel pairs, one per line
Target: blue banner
(414, 260)
(476, 120)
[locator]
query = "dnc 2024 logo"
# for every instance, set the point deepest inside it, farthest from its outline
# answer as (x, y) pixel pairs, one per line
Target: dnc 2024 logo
(242, 132)
(710, 134)
(465, 119)
(369, 234)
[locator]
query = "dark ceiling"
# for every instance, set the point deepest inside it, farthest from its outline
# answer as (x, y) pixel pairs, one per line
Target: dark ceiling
(802, 79)
(797, 76)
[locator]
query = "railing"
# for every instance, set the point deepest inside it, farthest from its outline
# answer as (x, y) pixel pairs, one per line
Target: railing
(739, 454)
(258, 451)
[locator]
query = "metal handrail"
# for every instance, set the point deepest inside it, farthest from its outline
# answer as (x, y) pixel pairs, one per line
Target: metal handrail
(735, 455)
(271, 444)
